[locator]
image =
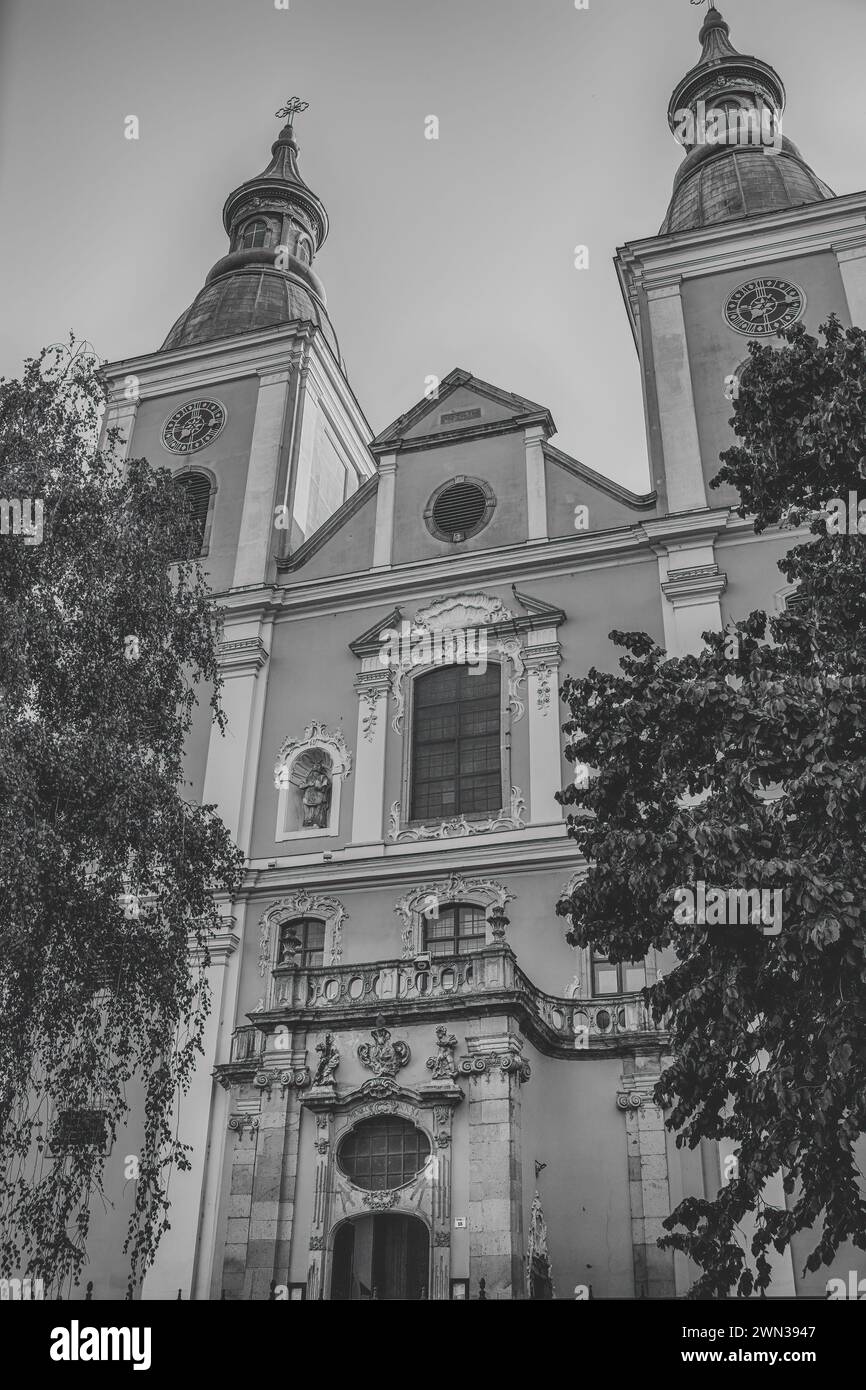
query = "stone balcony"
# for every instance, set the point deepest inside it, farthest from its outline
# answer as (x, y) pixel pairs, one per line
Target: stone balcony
(443, 989)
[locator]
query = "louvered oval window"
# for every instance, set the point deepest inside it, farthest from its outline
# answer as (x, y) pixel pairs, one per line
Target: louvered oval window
(460, 509)
(196, 487)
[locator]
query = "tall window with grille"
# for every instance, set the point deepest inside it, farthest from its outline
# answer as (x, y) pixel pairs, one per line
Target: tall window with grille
(456, 757)
(625, 978)
(459, 929)
(195, 489)
(302, 942)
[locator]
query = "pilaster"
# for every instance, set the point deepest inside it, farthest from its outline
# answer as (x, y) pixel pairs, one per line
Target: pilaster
(257, 534)
(495, 1209)
(536, 483)
(383, 544)
(542, 655)
(372, 685)
(649, 1190)
(676, 402)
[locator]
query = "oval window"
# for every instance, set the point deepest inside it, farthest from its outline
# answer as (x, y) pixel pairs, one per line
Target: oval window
(383, 1153)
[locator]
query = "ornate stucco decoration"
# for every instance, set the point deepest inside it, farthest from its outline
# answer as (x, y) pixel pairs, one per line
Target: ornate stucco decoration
(454, 888)
(381, 1201)
(459, 612)
(458, 825)
(382, 1057)
(302, 904)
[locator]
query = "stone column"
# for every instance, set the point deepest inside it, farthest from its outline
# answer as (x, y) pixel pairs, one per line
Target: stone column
(442, 1097)
(321, 1101)
(541, 656)
(368, 811)
(676, 403)
(852, 266)
(497, 1071)
(536, 484)
(649, 1191)
(271, 1199)
(257, 534)
(383, 544)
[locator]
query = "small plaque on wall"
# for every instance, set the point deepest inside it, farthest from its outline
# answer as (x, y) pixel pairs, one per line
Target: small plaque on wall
(459, 1223)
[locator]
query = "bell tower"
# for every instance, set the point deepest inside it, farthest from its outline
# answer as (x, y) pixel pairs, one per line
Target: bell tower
(249, 391)
(753, 240)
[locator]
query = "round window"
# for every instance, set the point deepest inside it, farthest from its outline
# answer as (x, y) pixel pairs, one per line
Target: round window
(383, 1153)
(459, 509)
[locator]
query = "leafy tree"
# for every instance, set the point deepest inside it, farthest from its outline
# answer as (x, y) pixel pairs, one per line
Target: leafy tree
(106, 869)
(745, 767)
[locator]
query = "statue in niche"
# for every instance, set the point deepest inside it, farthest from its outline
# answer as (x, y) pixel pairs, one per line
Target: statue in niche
(442, 1065)
(330, 1060)
(316, 797)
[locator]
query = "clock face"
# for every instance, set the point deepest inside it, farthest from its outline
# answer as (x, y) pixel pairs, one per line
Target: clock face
(193, 426)
(761, 307)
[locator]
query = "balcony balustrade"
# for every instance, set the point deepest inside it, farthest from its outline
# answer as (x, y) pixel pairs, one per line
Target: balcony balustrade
(456, 979)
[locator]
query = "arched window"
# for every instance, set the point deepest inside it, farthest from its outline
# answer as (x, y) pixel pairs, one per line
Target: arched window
(456, 755)
(459, 929)
(383, 1153)
(196, 489)
(302, 943)
(256, 233)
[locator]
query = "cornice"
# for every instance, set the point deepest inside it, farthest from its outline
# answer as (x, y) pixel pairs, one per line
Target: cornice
(514, 425)
(514, 852)
(644, 501)
(835, 224)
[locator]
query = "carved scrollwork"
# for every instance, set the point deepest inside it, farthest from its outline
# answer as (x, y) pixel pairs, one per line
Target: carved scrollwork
(381, 1201)
(442, 1238)
(508, 1062)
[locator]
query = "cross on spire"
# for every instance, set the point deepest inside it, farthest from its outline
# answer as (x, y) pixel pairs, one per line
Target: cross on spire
(292, 108)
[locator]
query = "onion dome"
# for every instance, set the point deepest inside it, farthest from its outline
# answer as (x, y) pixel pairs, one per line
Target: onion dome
(275, 225)
(727, 113)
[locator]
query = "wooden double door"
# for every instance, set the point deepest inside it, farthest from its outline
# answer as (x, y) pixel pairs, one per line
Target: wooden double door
(384, 1256)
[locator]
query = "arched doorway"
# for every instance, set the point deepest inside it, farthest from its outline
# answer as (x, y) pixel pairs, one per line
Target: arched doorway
(386, 1255)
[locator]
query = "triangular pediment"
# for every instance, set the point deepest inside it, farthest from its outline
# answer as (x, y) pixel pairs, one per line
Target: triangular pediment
(464, 407)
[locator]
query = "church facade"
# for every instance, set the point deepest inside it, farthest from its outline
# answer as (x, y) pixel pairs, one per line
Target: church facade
(414, 1087)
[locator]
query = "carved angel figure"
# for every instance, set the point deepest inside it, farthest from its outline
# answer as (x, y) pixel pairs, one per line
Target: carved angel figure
(442, 1065)
(330, 1060)
(382, 1057)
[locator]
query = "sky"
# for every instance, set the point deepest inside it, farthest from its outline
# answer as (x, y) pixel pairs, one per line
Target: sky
(456, 252)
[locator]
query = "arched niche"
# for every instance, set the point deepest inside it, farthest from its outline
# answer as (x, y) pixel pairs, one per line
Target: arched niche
(309, 776)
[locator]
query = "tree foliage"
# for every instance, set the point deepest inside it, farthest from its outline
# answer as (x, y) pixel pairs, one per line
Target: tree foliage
(107, 871)
(745, 767)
